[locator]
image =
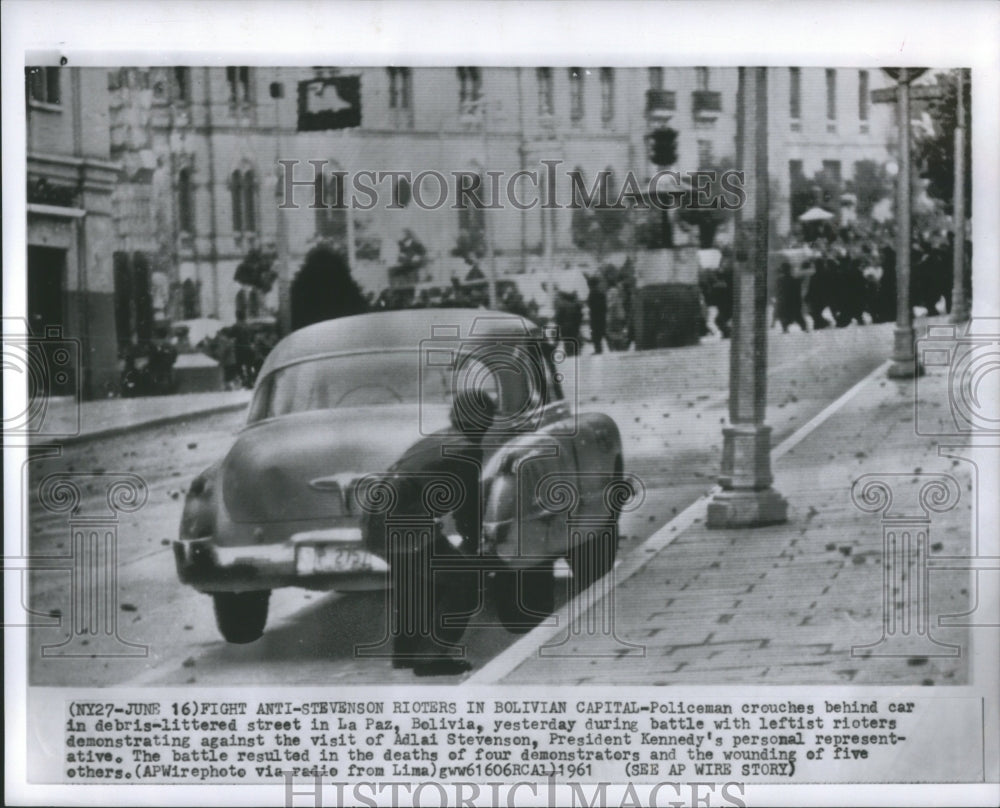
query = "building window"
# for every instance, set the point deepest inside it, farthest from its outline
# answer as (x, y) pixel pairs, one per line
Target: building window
(546, 99)
(831, 95)
(656, 78)
(43, 84)
(190, 304)
(576, 94)
(239, 84)
(399, 87)
(243, 188)
(185, 201)
(832, 170)
(607, 94)
(701, 78)
(863, 98)
(404, 191)
(470, 89)
(331, 219)
(705, 155)
(794, 92)
(182, 84)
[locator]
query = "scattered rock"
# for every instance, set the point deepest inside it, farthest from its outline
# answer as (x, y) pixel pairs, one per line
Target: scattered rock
(188, 663)
(192, 446)
(164, 541)
(937, 546)
(860, 455)
(915, 661)
(129, 607)
(845, 550)
(189, 628)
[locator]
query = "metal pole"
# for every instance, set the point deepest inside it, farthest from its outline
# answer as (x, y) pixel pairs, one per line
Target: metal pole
(284, 264)
(959, 303)
(904, 364)
(491, 257)
(747, 498)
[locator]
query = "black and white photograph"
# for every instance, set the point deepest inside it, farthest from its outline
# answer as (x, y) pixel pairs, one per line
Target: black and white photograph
(428, 404)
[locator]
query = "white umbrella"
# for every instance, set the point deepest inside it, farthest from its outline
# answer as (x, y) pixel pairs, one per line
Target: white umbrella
(816, 215)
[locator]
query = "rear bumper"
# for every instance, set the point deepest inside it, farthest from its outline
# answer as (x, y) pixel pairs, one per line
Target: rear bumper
(210, 568)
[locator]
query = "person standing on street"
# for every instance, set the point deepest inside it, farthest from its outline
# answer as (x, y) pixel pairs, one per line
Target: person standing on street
(569, 318)
(597, 302)
(789, 305)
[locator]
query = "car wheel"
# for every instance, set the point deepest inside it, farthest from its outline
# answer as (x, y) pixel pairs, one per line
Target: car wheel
(241, 616)
(593, 558)
(523, 598)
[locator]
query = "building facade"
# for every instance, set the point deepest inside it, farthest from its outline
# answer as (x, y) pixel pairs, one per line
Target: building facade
(69, 228)
(207, 155)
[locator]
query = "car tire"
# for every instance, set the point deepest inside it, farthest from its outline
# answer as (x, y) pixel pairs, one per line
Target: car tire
(523, 598)
(241, 616)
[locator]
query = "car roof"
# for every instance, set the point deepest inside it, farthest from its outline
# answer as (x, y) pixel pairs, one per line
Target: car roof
(395, 330)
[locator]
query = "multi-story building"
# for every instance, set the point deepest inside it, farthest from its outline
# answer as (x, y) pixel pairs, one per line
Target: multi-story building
(200, 150)
(69, 233)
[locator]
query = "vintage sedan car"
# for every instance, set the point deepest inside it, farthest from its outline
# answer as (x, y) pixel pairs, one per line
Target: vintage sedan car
(338, 404)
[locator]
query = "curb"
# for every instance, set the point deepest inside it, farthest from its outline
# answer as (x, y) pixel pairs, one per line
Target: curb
(115, 431)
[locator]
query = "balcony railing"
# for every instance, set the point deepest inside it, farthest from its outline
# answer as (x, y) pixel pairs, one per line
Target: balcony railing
(706, 102)
(659, 102)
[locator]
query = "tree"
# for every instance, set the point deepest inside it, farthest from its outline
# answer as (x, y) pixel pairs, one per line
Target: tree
(934, 152)
(255, 270)
(871, 184)
(323, 289)
(599, 229)
(823, 190)
(707, 218)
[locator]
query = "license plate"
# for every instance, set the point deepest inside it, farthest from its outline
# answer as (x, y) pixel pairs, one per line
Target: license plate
(317, 559)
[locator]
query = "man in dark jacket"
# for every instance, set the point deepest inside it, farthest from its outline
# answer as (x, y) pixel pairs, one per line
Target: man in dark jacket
(434, 591)
(597, 302)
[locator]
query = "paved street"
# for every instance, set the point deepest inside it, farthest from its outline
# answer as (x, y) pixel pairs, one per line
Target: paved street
(702, 602)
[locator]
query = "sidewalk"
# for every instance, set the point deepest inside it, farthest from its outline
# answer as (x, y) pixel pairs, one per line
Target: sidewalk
(104, 418)
(783, 604)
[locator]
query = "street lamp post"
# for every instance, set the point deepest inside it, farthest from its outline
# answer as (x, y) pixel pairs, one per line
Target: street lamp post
(747, 498)
(904, 361)
(959, 302)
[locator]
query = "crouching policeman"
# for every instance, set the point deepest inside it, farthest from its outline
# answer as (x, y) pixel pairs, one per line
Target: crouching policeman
(434, 589)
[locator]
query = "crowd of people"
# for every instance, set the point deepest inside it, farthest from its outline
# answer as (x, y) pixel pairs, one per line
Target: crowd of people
(606, 308)
(824, 277)
(240, 349)
(840, 276)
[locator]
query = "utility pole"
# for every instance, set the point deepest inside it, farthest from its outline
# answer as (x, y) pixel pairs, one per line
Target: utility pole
(488, 223)
(904, 361)
(281, 225)
(747, 498)
(959, 302)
